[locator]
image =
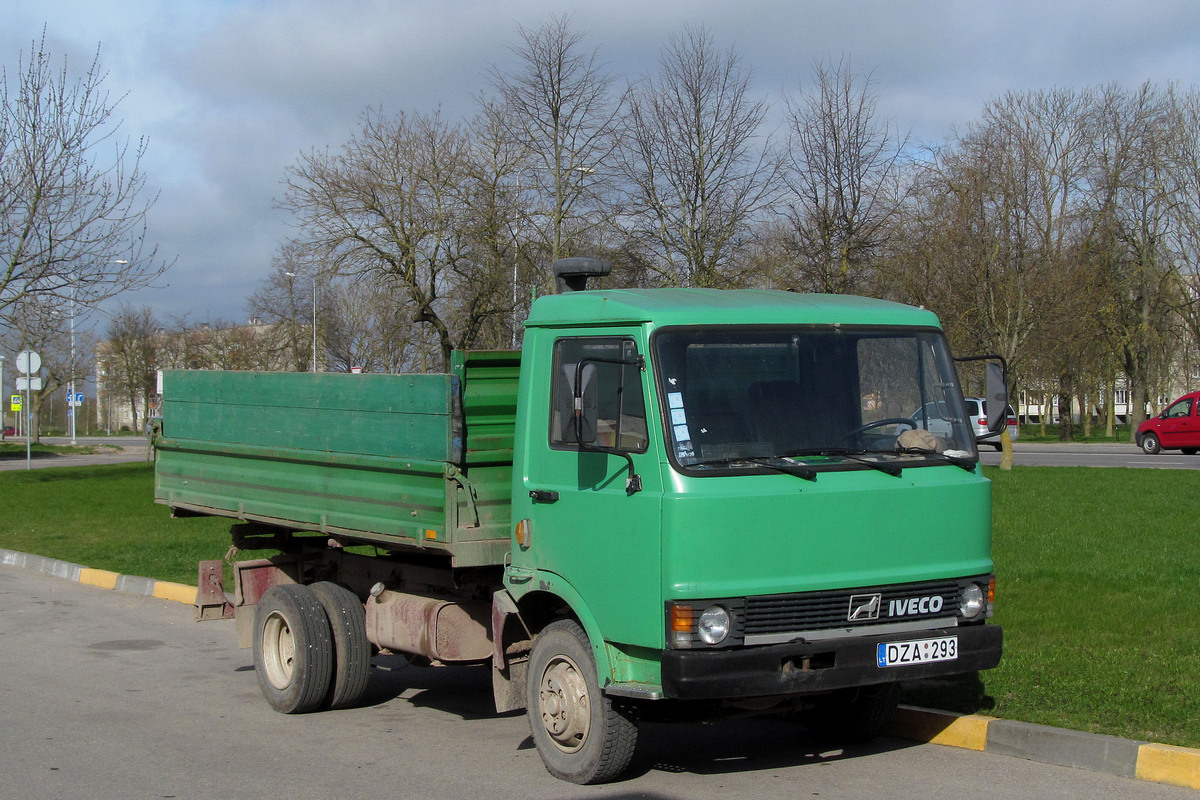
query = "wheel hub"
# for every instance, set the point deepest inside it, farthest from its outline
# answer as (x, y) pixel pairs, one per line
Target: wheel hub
(563, 703)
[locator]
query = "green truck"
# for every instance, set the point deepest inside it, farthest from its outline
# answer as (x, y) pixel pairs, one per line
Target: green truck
(670, 503)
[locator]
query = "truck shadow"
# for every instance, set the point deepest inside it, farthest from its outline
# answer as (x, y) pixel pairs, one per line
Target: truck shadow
(463, 691)
(725, 747)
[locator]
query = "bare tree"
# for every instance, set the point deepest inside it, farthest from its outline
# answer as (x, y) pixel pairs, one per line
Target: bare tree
(842, 176)
(392, 205)
(131, 352)
(558, 105)
(43, 327)
(1136, 185)
(696, 178)
(73, 200)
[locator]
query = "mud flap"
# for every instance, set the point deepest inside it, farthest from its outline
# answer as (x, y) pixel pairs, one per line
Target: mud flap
(211, 602)
(510, 656)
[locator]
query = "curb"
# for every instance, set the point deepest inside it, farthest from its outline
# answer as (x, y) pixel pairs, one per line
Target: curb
(103, 579)
(1112, 755)
(1126, 758)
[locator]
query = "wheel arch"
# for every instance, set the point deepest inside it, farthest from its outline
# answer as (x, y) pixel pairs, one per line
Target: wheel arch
(516, 620)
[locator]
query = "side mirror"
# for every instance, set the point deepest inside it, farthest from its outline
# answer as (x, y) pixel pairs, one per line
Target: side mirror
(996, 388)
(996, 401)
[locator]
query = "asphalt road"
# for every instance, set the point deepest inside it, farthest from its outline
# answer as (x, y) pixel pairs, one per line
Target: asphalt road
(132, 448)
(1091, 455)
(113, 695)
(1030, 454)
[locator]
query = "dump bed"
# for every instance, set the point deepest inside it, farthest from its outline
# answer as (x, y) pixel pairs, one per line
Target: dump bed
(400, 461)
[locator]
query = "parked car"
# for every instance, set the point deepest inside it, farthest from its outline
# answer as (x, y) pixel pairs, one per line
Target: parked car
(936, 421)
(1176, 428)
(7, 431)
(979, 422)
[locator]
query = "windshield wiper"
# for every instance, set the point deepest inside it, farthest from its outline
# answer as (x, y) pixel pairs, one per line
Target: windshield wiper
(854, 455)
(761, 461)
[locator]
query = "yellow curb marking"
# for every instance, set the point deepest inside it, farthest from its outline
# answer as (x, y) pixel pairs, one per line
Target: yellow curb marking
(98, 577)
(969, 732)
(1167, 764)
(165, 590)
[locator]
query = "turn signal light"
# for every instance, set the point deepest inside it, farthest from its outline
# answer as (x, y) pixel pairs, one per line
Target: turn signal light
(523, 534)
(682, 619)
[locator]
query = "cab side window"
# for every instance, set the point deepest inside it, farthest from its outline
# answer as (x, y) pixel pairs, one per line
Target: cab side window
(596, 395)
(1181, 409)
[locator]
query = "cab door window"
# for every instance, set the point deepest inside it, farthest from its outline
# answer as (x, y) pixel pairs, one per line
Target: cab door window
(596, 395)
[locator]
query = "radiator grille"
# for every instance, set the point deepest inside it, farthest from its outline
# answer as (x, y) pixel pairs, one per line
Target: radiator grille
(812, 611)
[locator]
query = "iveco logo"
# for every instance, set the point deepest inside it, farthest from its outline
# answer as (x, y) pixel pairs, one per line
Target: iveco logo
(915, 605)
(864, 607)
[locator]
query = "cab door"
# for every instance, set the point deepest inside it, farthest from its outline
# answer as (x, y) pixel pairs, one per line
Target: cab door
(594, 521)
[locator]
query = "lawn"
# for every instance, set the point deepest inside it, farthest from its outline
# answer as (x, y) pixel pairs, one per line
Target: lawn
(105, 517)
(1097, 592)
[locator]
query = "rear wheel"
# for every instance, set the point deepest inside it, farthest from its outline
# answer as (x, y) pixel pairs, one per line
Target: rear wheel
(293, 654)
(580, 735)
(351, 650)
(853, 716)
(1150, 444)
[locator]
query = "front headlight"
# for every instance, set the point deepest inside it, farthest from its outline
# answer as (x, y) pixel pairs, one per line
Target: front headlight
(974, 602)
(713, 625)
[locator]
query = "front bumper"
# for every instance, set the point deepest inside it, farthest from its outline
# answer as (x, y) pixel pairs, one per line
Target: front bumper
(814, 667)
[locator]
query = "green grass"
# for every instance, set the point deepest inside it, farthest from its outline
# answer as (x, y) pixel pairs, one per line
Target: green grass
(1098, 572)
(1098, 591)
(1033, 433)
(15, 449)
(105, 517)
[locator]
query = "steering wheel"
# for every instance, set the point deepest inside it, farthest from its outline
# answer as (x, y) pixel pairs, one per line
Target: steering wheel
(879, 423)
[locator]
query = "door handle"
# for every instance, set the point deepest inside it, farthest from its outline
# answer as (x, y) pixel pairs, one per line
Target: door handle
(543, 496)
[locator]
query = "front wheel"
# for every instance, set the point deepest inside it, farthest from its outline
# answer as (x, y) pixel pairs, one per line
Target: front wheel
(580, 735)
(1151, 445)
(293, 654)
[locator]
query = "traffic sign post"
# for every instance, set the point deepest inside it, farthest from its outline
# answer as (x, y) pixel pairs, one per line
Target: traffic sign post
(29, 364)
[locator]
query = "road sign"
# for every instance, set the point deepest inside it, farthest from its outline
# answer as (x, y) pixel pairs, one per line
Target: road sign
(14, 402)
(28, 362)
(76, 401)
(27, 384)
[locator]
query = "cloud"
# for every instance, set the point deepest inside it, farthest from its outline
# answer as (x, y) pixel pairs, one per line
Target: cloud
(230, 92)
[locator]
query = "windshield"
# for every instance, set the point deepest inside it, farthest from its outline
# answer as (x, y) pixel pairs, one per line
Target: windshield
(766, 397)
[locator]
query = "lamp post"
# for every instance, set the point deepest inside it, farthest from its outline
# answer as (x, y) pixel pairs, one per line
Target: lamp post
(71, 406)
(314, 316)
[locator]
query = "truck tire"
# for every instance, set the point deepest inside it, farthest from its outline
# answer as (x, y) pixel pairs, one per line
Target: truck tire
(580, 734)
(854, 716)
(351, 650)
(293, 654)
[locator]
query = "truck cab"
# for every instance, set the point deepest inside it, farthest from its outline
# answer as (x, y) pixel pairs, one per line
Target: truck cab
(730, 496)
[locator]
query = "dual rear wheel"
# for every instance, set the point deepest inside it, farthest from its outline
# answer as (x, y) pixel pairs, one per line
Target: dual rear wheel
(310, 647)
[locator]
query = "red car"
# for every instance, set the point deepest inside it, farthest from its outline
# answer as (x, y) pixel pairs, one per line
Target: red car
(1176, 428)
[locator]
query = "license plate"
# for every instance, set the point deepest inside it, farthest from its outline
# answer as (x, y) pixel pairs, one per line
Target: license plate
(921, 651)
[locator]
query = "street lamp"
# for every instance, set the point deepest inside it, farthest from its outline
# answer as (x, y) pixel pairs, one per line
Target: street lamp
(71, 406)
(314, 316)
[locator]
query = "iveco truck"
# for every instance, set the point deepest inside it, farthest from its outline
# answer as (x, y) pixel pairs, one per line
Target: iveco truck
(668, 503)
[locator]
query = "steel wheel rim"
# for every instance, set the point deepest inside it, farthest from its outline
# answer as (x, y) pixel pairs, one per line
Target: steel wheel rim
(278, 651)
(564, 704)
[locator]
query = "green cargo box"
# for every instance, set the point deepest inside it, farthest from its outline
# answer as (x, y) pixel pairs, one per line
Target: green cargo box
(398, 461)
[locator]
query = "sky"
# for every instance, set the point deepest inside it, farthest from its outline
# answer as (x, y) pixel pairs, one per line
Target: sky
(230, 93)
